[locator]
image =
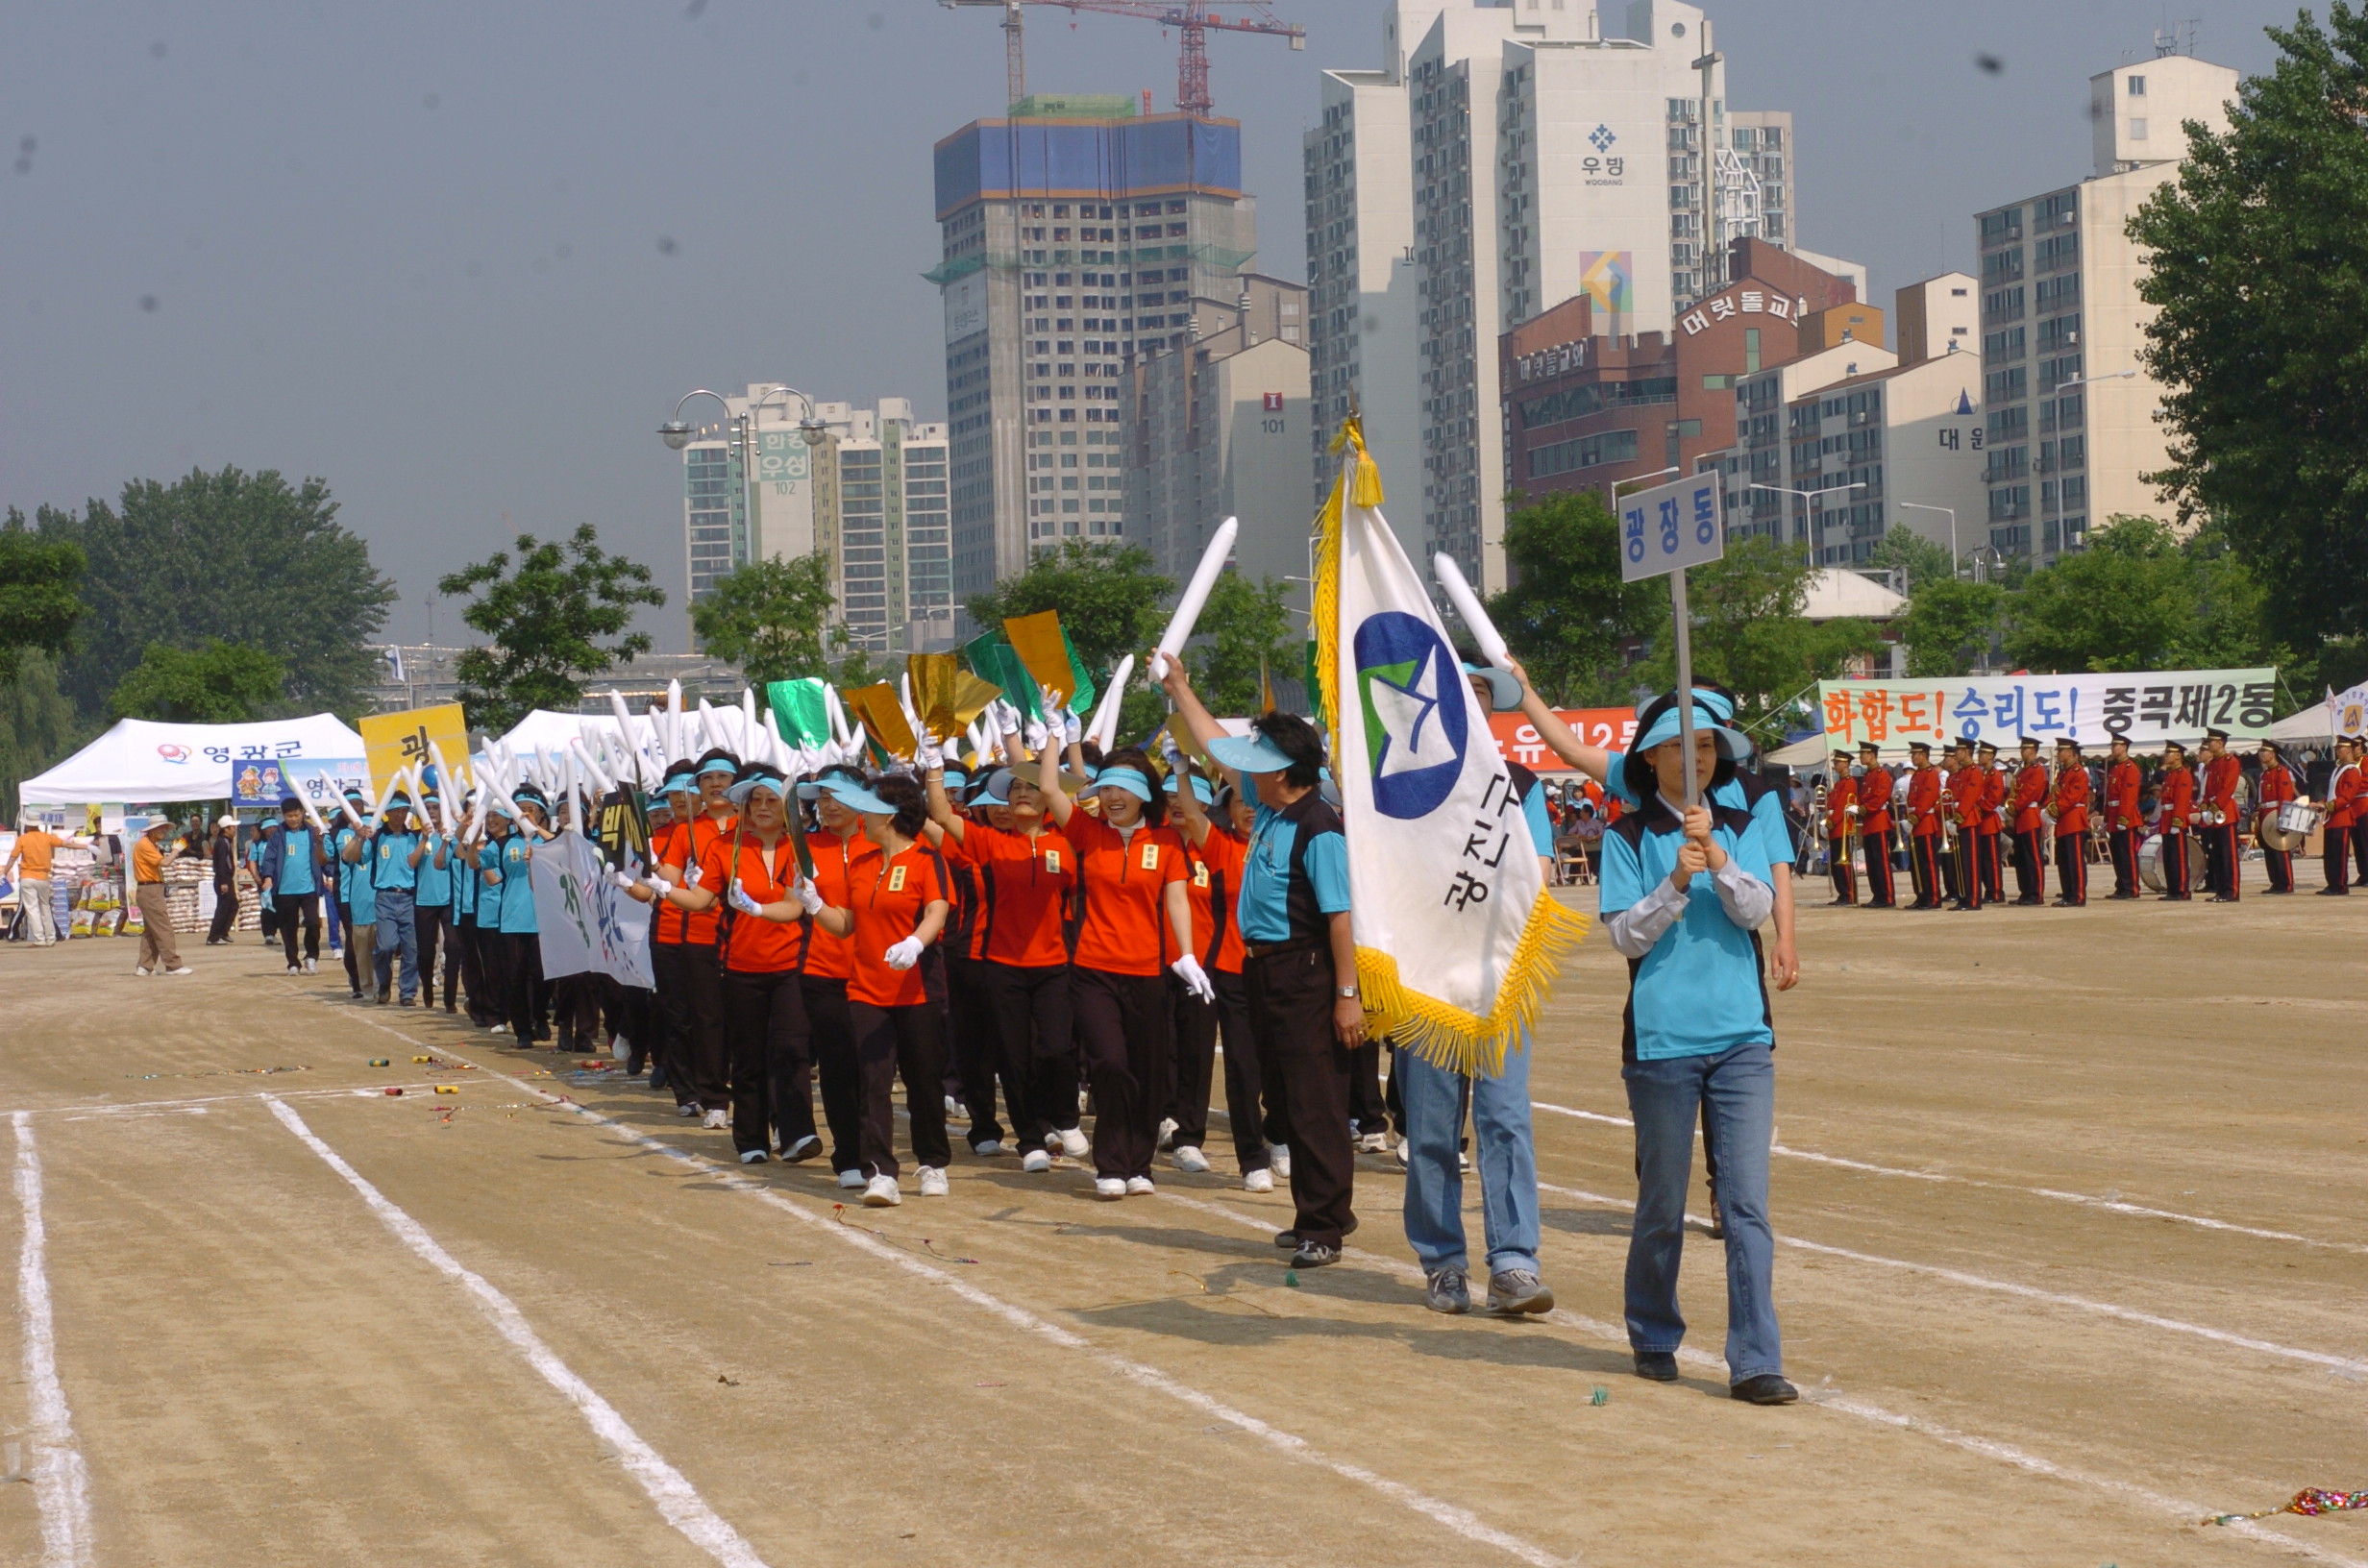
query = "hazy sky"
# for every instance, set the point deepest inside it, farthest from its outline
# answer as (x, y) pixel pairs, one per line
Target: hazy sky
(460, 260)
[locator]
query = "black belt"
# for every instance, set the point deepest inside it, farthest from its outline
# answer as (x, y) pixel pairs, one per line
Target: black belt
(1296, 944)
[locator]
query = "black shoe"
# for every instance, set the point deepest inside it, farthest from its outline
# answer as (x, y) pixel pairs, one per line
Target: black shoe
(2333, 892)
(1315, 1255)
(1658, 1366)
(1767, 1389)
(2222, 898)
(657, 1077)
(2030, 903)
(1287, 1239)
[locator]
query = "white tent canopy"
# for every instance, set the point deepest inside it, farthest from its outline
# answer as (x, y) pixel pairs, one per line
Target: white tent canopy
(145, 762)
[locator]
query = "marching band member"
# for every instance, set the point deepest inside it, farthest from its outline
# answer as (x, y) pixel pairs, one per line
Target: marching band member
(2176, 790)
(2125, 821)
(1992, 844)
(2341, 805)
(1923, 796)
(2222, 775)
(2067, 802)
(2275, 789)
(1842, 815)
(1965, 797)
(2027, 810)
(1874, 825)
(1131, 872)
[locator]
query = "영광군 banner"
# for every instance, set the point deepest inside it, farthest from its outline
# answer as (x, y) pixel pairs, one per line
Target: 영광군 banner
(2144, 707)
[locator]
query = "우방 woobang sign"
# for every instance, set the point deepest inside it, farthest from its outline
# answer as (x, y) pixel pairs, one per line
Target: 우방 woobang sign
(2146, 708)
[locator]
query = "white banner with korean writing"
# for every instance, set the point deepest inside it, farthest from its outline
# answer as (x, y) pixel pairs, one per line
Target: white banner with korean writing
(586, 922)
(2144, 707)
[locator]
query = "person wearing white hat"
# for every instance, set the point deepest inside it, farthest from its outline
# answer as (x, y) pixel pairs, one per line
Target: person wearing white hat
(159, 952)
(223, 851)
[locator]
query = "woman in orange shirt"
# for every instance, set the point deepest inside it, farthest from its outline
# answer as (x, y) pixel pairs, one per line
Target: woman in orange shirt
(839, 848)
(1024, 872)
(1131, 873)
(896, 905)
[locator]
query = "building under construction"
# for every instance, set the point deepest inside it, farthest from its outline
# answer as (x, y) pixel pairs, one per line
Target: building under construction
(1076, 232)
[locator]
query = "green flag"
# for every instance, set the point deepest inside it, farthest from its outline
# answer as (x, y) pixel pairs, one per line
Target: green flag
(798, 706)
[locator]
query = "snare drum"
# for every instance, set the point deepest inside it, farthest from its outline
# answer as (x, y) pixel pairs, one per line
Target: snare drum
(2297, 817)
(2290, 828)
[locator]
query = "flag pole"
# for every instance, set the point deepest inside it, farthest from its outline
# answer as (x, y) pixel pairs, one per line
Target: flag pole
(1684, 680)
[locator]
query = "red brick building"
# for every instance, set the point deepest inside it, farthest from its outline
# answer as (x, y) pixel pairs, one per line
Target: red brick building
(1582, 411)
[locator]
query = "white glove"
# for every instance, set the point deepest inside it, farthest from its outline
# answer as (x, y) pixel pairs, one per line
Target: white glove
(1170, 752)
(1036, 735)
(904, 954)
(741, 902)
(625, 880)
(929, 752)
(659, 882)
(1195, 979)
(690, 878)
(1072, 727)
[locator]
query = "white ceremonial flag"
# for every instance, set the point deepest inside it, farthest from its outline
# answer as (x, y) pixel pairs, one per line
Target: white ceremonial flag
(1457, 939)
(585, 921)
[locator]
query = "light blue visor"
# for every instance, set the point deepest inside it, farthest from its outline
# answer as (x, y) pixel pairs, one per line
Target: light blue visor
(854, 796)
(1248, 754)
(1200, 788)
(1130, 780)
(1733, 745)
(738, 794)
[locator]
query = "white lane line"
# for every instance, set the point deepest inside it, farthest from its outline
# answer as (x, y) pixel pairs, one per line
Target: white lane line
(123, 1107)
(2026, 1292)
(676, 1500)
(1460, 1521)
(2053, 1195)
(1986, 1446)
(61, 1483)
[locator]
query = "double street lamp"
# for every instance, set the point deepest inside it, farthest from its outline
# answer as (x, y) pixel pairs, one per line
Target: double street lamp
(677, 434)
(1814, 531)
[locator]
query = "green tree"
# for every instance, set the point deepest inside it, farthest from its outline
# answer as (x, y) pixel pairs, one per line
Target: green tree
(1244, 632)
(1568, 615)
(1109, 597)
(38, 598)
(768, 618)
(855, 666)
(39, 725)
(1948, 624)
(2139, 599)
(547, 616)
(2260, 271)
(242, 557)
(220, 683)
(1924, 561)
(1749, 633)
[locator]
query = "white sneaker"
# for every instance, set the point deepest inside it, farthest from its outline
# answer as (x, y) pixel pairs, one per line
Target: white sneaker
(1258, 1181)
(312, 966)
(1139, 1187)
(955, 1110)
(620, 1049)
(990, 1149)
(1074, 1143)
(1036, 1160)
(850, 1180)
(1167, 1130)
(932, 1182)
(499, 1029)
(716, 1121)
(1189, 1158)
(294, 969)
(184, 969)
(141, 970)
(1403, 1144)
(880, 1192)
(1373, 1144)
(804, 1149)
(688, 1108)
(752, 1157)
(1278, 1155)
(1109, 1187)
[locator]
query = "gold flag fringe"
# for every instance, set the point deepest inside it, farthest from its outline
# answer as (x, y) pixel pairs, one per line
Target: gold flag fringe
(1446, 1036)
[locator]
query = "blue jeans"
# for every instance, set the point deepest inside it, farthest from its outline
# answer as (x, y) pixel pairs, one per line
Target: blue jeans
(397, 936)
(337, 925)
(1434, 1111)
(1738, 1087)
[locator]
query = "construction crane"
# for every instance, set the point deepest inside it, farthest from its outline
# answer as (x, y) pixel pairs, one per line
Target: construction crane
(1193, 18)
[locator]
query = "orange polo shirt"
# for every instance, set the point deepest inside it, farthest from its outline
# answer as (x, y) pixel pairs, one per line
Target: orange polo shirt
(890, 894)
(1122, 884)
(835, 869)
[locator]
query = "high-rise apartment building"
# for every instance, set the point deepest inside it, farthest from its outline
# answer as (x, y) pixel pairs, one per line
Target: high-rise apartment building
(741, 507)
(881, 515)
(1219, 430)
(1549, 152)
(1075, 235)
(2070, 433)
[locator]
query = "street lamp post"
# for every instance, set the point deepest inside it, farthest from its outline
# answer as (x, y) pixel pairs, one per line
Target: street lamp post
(676, 434)
(1816, 542)
(1919, 507)
(1611, 491)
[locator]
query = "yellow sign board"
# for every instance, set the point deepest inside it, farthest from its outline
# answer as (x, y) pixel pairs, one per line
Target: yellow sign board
(396, 741)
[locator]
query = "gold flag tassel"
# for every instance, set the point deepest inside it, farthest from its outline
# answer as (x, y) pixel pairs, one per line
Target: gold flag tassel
(1448, 1036)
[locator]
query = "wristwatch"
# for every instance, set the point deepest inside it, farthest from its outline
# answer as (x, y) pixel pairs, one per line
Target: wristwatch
(1347, 993)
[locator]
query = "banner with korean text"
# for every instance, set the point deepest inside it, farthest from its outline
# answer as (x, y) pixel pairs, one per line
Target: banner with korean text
(1518, 739)
(2144, 707)
(585, 923)
(396, 741)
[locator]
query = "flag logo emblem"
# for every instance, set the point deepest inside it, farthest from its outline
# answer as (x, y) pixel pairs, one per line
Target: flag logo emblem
(1415, 720)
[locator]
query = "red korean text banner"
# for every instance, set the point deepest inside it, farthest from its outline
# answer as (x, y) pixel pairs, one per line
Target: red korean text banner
(1518, 739)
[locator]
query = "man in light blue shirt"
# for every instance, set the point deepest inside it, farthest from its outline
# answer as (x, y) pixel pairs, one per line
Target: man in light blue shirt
(1685, 889)
(394, 853)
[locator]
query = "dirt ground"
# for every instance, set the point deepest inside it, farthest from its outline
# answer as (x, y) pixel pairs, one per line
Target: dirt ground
(2071, 1206)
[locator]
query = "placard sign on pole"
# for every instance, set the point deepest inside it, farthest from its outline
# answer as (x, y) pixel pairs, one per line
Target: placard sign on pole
(1663, 531)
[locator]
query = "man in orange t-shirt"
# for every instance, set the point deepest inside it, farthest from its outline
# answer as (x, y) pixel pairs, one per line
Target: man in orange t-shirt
(34, 848)
(159, 952)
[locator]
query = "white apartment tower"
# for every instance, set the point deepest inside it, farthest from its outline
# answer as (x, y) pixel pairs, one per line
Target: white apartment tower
(1551, 148)
(2070, 431)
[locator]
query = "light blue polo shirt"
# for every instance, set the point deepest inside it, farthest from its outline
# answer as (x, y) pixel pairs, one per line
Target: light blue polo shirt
(1263, 906)
(392, 861)
(1698, 991)
(361, 896)
(295, 878)
(517, 886)
(434, 886)
(1767, 813)
(1540, 823)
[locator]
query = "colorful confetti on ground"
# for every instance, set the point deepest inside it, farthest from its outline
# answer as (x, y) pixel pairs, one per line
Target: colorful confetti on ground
(2309, 1502)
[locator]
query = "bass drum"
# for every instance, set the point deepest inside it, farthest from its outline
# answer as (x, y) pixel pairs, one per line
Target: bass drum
(2150, 863)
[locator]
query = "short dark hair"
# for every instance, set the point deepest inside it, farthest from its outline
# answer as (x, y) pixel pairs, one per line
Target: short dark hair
(1091, 752)
(1156, 809)
(1297, 739)
(912, 806)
